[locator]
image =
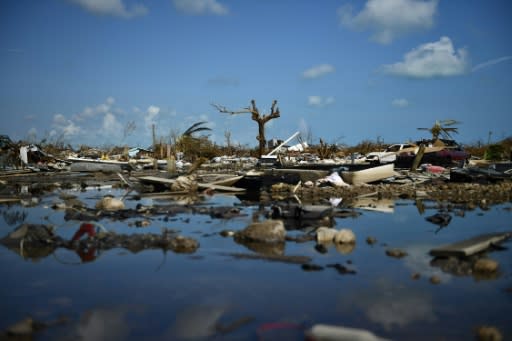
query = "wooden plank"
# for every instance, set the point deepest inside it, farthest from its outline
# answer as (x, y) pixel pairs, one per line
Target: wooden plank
(163, 195)
(157, 179)
(7, 200)
(221, 188)
(199, 185)
(226, 181)
(470, 246)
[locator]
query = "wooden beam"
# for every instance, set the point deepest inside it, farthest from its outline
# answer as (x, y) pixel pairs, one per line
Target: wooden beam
(470, 246)
(200, 185)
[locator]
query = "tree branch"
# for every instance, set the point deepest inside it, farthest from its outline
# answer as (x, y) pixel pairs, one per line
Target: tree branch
(224, 110)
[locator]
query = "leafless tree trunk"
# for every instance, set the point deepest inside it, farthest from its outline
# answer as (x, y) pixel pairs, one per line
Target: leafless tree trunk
(255, 116)
(227, 135)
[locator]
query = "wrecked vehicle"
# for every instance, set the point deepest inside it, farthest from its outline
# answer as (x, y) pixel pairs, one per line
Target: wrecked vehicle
(389, 154)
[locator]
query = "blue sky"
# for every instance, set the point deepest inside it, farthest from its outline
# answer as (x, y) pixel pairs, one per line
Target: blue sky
(346, 71)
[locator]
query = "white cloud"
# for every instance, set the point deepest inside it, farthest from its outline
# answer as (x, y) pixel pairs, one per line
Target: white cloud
(318, 71)
(389, 19)
(71, 129)
(400, 103)
(110, 100)
(111, 127)
(490, 63)
(100, 109)
(65, 126)
(318, 101)
(150, 115)
(437, 59)
(198, 7)
(115, 8)
(59, 119)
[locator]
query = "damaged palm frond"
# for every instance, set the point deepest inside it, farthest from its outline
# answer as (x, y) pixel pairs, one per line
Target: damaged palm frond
(442, 129)
(195, 128)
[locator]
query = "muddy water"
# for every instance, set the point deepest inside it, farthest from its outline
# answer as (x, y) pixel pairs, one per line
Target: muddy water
(210, 294)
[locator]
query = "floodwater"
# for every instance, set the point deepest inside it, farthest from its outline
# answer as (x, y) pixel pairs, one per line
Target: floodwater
(209, 294)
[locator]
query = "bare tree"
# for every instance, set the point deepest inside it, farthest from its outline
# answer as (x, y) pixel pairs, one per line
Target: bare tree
(128, 129)
(255, 116)
(227, 135)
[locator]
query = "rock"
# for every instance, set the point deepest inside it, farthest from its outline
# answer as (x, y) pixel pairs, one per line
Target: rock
(227, 233)
(142, 223)
(311, 267)
(441, 219)
(342, 269)
(309, 184)
(435, 280)
(485, 265)
(268, 231)
(32, 233)
(371, 240)
(488, 333)
(345, 236)
(267, 249)
(182, 244)
(280, 187)
(345, 248)
(415, 276)
(23, 327)
(396, 253)
(20, 232)
(224, 212)
(321, 248)
(59, 206)
(109, 203)
(325, 234)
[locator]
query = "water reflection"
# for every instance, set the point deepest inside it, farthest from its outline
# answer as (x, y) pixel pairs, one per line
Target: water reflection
(419, 262)
(267, 249)
(374, 204)
(14, 217)
(174, 294)
(104, 324)
(393, 305)
(195, 322)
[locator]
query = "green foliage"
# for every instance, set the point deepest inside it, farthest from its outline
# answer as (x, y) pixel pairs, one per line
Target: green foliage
(494, 152)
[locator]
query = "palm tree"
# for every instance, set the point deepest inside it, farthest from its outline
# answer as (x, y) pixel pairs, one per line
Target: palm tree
(187, 142)
(194, 128)
(442, 129)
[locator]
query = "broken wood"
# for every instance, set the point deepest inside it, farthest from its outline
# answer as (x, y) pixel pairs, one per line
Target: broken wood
(156, 179)
(470, 246)
(272, 258)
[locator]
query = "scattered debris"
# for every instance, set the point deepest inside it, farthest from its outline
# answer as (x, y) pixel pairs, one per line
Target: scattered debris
(342, 269)
(371, 240)
(268, 231)
(273, 258)
(471, 246)
(323, 332)
(485, 265)
(488, 333)
(396, 253)
(441, 219)
(435, 279)
(345, 236)
(110, 203)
